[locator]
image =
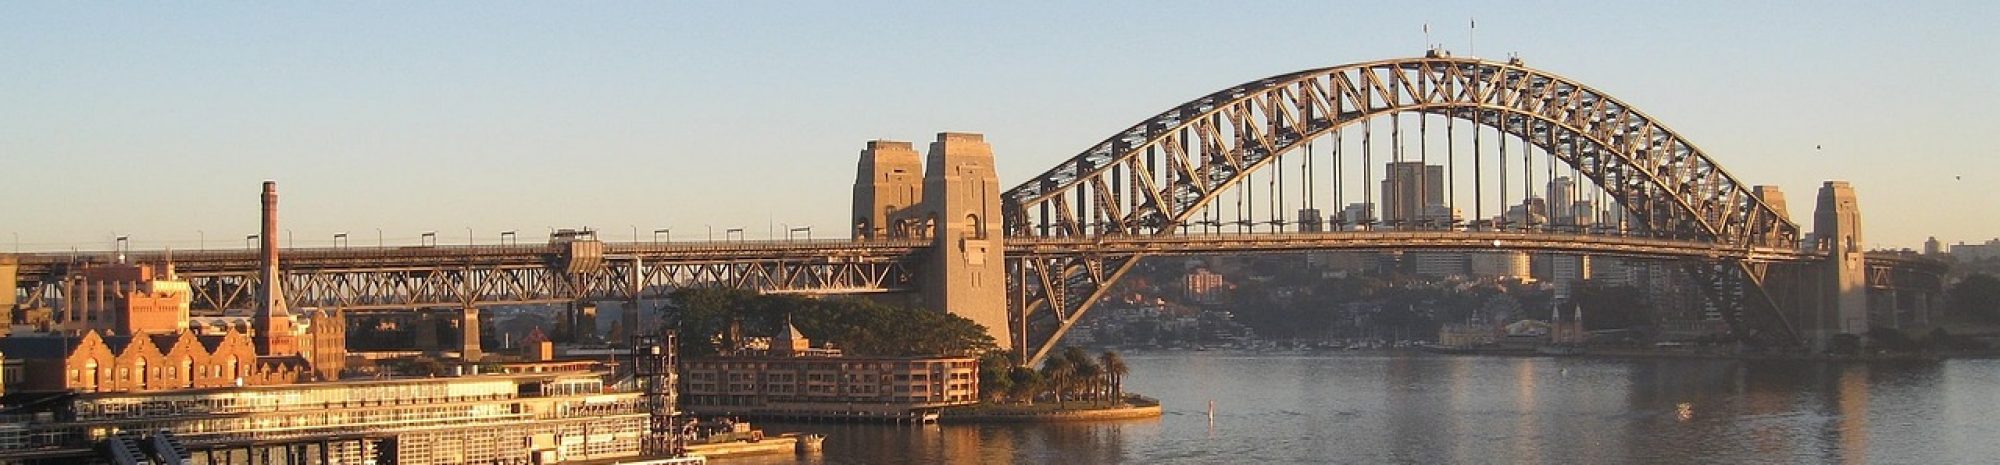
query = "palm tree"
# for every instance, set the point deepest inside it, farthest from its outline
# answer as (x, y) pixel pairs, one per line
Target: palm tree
(1115, 369)
(1060, 373)
(1086, 371)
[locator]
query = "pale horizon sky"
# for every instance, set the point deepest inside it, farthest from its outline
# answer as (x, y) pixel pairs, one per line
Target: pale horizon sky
(160, 121)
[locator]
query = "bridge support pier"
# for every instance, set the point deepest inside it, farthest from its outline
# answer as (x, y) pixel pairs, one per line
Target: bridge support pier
(468, 334)
(1843, 277)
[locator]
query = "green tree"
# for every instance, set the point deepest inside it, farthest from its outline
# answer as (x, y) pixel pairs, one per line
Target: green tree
(995, 380)
(1612, 307)
(858, 326)
(1976, 297)
(1024, 384)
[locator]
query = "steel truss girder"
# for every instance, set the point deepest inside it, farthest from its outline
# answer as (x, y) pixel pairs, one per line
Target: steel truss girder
(398, 288)
(1159, 173)
(1050, 294)
(1123, 186)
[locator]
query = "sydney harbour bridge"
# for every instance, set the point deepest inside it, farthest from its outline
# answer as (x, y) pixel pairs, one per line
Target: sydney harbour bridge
(1438, 153)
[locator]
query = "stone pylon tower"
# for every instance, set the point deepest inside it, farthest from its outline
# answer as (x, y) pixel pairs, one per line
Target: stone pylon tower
(1843, 279)
(965, 274)
(889, 179)
(273, 321)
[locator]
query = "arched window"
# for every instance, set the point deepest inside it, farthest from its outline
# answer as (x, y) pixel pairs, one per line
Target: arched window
(139, 369)
(975, 227)
(90, 376)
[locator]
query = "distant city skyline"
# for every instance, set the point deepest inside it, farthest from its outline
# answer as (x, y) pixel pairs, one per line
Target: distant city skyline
(159, 122)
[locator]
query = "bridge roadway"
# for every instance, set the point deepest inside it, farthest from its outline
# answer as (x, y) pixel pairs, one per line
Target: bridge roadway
(401, 278)
(836, 250)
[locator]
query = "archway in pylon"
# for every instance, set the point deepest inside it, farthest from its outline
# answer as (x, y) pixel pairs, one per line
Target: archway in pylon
(1157, 174)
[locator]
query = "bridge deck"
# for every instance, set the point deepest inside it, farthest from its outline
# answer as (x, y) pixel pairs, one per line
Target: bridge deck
(213, 261)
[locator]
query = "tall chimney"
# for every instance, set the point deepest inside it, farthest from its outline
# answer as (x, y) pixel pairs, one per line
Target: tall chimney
(273, 322)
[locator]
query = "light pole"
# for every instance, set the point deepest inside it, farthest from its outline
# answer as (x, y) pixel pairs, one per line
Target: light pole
(505, 236)
(249, 240)
(807, 229)
(737, 231)
(667, 231)
(288, 239)
(340, 240)
(428, 239)
(378, 238)
(468, 236)
(635, 232)
(711, 232)
(201, 240)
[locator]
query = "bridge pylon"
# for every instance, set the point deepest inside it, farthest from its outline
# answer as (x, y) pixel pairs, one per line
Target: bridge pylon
(965, 273)
(888, 180)
(1843, 276)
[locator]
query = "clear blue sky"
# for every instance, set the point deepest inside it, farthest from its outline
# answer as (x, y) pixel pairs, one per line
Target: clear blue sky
(160, 120)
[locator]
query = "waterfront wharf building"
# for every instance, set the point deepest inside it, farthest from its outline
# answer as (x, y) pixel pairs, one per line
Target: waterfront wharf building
(126, 328)
(793, 380)
(515, 418)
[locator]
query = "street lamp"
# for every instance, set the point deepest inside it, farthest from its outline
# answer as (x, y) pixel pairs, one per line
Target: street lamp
(506, 236)
(340, 240)
(468, 236)
(711, 232)
(806, 229)
(378, 238)
(635, 232)
(737, 231)
(669, 232)
(249, 240)
(428, 239)
(201, 240)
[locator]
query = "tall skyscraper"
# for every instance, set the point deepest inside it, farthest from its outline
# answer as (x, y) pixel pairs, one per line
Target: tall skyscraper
(1562, 194)
(1407, 188)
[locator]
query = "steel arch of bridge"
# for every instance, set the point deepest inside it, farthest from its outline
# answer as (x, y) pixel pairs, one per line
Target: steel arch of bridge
(1158, 173)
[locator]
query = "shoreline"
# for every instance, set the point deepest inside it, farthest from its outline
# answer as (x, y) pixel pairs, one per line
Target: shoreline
(1136, 407)
(1621, 353)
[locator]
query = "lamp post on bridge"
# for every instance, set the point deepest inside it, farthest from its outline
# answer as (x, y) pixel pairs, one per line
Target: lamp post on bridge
(340, 240)
(711, 232)
(508, 238)
(378, 238)
(428, 239)
(806, 229)
(468, 236)
(737, 231)
(201, 241)
(669, 232)
(249, 240)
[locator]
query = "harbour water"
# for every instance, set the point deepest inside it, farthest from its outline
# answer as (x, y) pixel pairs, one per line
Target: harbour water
(1423, 409)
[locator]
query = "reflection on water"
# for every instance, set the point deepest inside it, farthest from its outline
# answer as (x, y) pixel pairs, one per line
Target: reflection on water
(1347, 408)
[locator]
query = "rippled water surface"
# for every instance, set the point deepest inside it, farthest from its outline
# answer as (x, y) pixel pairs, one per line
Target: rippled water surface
(1423, 409)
